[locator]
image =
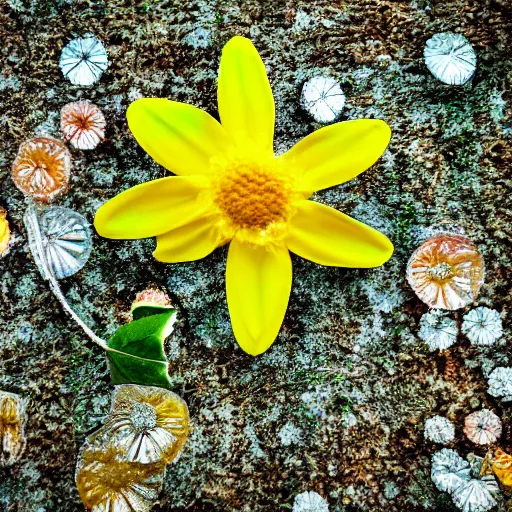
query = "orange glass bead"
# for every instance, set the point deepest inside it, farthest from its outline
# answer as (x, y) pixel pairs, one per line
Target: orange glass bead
(501, 465)
(82, 124)
(5, 232)
(446, 272)
(42, 168)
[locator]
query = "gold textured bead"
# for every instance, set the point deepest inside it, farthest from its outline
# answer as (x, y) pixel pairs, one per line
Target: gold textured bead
(150, 423)
(12, 426)
(501, 465)
(5, 232)
(106, 481)
(121, 466)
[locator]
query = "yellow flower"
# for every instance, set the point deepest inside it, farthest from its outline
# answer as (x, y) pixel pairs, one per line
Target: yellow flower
(232, 188)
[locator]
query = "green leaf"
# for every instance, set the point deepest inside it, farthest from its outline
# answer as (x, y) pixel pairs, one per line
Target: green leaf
(143, 310)
(136, 350)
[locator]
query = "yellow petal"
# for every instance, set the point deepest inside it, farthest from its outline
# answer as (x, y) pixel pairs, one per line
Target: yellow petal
(337, 153)
(189, 242)
(328, 237)
(258, 283)
(180, 137)
(246, 104)
(152, 208)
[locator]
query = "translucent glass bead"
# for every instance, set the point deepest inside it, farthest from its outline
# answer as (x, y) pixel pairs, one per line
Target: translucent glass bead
(66, 239)
(483, 427)
(446, 271)
(82, 124)
(450, 58)
(83, 60)
(42, 168)
(323, 99)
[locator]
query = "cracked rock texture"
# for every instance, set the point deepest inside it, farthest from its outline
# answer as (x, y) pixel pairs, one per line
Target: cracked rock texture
(339, 403)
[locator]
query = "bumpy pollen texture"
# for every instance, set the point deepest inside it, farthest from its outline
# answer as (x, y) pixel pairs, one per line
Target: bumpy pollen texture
(253, 195)
(143, 417)
(440, 272)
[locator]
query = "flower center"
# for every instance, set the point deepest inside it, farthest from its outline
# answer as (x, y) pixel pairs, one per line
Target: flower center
(143, 417)
(253, 196)
(440, 271)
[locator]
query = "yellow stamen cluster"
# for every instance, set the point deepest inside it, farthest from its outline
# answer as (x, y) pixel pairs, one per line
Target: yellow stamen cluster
(254, 197)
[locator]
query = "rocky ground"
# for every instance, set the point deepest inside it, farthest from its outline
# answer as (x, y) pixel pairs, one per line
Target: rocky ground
(338, 404)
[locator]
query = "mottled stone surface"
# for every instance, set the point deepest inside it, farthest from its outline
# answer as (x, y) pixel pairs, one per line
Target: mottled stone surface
(338, 404)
